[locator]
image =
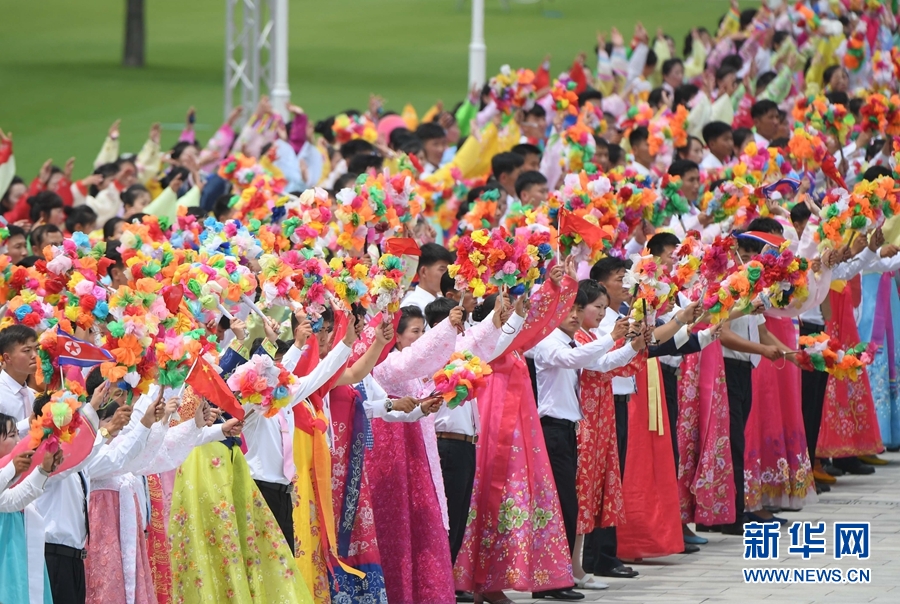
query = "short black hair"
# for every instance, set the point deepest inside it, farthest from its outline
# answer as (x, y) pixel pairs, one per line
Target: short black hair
(638, 135)
(432, 253)
(761, 108)
(39, 401)
(363, 162)
(430, 131)
(44, 203)
(80, 216)
(222, 206)
(506, 163)
(713, 130)
(655, 98)
(683, 95)
(526, 149)
(652, 59)
(529, 179)
(765, 225)
(763, 81)
(601, 142)
(438, 310)
(735, 61)
(355, 147)
(129, 195)
(591, 290)
(408, 313)
(740, 137)
(581, 299)
(399, 136)
(838, 98)
(589, 94)
(14, 231)
(615, 153)
(680, 167)
(660, 241)
(482, 311)
(15, 335)
(93, 381)
(28, 261)
(800, 212)
(448, 284)
(109, 227)
(38, 234)
(875, 172)
(670, 64)
(536, 111)
(607, 266)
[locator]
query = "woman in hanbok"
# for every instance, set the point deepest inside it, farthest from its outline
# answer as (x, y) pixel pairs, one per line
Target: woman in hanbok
(118, 566)
(598, 478)
(225, 543)
(879, 324)
(410, 508)
(23, 572)
(515, 538)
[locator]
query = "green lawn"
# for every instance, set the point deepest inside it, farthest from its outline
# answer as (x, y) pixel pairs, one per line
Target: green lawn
(63, 84)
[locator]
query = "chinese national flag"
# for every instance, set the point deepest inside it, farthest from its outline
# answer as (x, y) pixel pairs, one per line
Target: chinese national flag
(207, 383)
(570, 223)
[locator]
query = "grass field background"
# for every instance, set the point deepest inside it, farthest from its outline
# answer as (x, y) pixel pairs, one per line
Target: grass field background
(63, 83)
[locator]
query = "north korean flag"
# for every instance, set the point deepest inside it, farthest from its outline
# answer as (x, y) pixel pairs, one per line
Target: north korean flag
(73, 351)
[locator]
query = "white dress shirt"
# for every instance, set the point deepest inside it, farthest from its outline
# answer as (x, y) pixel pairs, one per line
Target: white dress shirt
(63, 503)
(16, 400)
(376, 399)
(622, 386)
(558, 360)
(16, 498)
(265, 451)
(865, 260)
(418, 297)
(639, 168)
(711, 162)
(746, 327)
(761, 141)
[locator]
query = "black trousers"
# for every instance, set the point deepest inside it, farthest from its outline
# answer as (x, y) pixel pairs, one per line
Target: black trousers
(66, 576)
(812, 398)
(670, 386)
(279, 501)
(458, 470)
(601, 544)
(738, 379)
(562, 449)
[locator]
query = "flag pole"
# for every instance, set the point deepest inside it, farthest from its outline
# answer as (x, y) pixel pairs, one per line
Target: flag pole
(190, 371)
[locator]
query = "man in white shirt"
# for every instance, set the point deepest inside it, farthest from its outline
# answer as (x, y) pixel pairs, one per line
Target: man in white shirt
(720, 142)
(558, 361)
(270, 439)
(765, 122)
(18, 347)
(640, 147)
(433, 262)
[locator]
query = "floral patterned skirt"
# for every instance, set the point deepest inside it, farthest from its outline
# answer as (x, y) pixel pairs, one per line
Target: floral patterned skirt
(225, 543)
(515, 538)
(777, 469)
(705, 471)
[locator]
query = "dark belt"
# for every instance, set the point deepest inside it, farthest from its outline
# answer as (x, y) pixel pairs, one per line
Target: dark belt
(457, 436)
(669, 369)
(65, 550)
(738, 363)
(274, 486)
(621, 398)
(552, 421)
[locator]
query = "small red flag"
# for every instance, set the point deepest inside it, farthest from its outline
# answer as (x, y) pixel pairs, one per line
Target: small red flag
(207, 382)
(571, 223)
(400, 246)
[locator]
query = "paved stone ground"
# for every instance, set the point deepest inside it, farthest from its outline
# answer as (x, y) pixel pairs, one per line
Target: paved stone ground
(714, 574)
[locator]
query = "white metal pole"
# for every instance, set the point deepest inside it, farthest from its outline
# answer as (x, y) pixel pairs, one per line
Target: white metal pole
(281, 93)
(477, 49)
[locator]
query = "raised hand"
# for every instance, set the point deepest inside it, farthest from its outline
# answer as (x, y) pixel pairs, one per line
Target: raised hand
(22, 461)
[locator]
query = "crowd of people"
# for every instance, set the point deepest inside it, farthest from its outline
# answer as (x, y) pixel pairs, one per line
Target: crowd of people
(570, 323)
